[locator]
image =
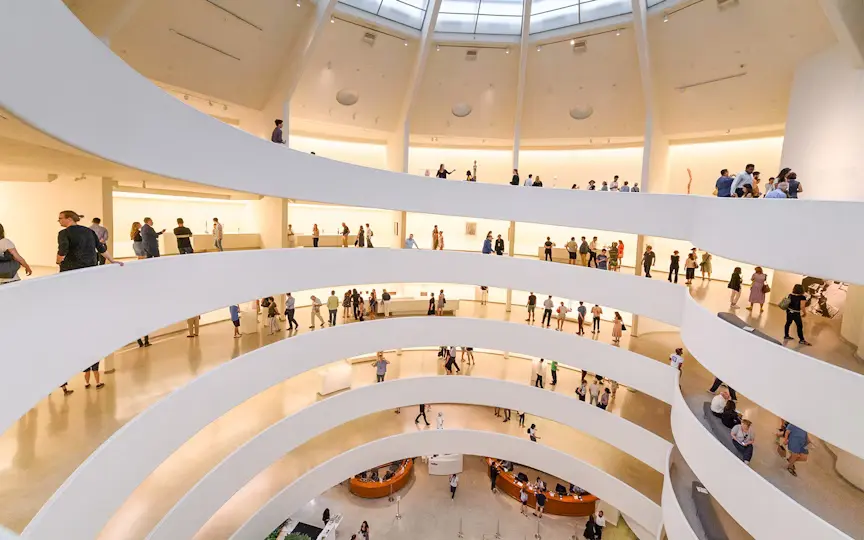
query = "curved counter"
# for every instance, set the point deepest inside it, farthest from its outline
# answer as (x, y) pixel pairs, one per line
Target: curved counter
(566, 505)
(383, 488)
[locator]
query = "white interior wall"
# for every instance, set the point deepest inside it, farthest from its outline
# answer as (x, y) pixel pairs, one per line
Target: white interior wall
(563, 168)
(197, 213)
(365, 154)
(706, 160)
(329, 218)
(454, 229)
(28, 212)
(493, 166)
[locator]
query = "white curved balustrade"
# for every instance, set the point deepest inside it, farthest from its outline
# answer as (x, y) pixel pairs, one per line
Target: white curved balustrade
(674, 521)
(758, 506)
(209, 281)
(177, 141)
(214, 490)
(468, 442)
(88, 498)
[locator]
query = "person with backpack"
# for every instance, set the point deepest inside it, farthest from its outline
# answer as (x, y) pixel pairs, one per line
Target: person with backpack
(794, 305)
(385, 303)
(10, 260)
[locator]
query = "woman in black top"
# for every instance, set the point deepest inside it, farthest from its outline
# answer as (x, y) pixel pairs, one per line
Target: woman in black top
(548, 251)
(674, 265)
(795, 312)
(735, 285)
(431, 310)
(469, 177)
(729, 416)
(590, 529)
(77, 245)
(515, 180)
(499, 245)
(442, 172)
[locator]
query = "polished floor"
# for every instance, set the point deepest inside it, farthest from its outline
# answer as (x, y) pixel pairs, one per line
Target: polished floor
(428, 512)
(48, 443)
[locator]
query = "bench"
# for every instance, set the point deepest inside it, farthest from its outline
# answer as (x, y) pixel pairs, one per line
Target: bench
(707, 514)
(734, 320)
(721, 432)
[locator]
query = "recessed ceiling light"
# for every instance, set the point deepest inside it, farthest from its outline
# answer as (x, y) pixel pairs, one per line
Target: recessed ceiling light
(618, 32)
(405, 42)
(538, 48)
(666, 18)
(298, 3)
(332, 19)
(572, 42)
(437, 47)
(507, 50)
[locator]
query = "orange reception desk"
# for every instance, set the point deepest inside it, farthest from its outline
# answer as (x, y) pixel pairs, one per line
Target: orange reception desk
(567, 505)
(383, 488)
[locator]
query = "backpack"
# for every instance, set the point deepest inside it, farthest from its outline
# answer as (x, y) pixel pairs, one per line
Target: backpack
(785, 303)
(8, 266)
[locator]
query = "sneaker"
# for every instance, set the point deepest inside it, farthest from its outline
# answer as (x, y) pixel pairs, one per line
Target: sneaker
(786, 338)
(804, 342)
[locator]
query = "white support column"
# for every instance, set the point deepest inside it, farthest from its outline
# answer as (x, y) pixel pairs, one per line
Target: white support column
(524, 47)
(127, 10)
(297, 59)
(847, 20)
(511, 250)
(286, 122)
(655, 172)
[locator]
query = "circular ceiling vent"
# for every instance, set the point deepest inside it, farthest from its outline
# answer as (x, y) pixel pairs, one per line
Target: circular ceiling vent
(347, 97)
(461, 110)
(581, 113)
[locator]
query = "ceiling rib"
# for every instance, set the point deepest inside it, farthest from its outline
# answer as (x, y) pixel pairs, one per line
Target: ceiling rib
(238, 17)
(199, 42)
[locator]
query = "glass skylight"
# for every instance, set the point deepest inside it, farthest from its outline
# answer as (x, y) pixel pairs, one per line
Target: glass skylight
(408, 12)
(501, 17)
(553, 14)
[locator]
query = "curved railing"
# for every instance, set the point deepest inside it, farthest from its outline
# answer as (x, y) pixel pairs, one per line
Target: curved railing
(468, 442)
(758, 506)
(214, 490)
(177, 141)
(105, 480)
(208, 281)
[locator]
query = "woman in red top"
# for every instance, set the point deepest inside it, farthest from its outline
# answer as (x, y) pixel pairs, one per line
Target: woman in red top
(620, 255)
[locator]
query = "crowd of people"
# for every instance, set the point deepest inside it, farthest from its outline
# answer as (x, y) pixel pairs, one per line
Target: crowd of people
(746, 184)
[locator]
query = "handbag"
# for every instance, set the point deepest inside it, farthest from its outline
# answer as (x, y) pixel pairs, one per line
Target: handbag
(623, 327)
(8, 266)
(785, 303)
(765, 288)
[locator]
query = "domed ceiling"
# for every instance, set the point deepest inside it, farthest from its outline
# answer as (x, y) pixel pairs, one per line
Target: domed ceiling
(717, 66)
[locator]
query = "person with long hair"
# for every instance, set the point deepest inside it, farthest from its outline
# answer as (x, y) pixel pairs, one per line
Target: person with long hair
(8, 254)
(137, 241)
(346, 305)
(443, 172)
(705, 266)
(735, 285)
(617, 328)
(364, 530)
(360, 241)
(758, 288)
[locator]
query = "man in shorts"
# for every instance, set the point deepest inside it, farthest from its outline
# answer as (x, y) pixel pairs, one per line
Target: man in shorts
(95, 370)
(235, 318)
(532, 303)
(572, 250)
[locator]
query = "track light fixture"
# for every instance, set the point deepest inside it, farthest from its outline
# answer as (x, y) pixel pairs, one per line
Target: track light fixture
(507, 50)
(618, 32)
(298, 3)
(332, 19)
(437, 47)
(405, 42)
(666, 17)
(572, 42)
(538, 48)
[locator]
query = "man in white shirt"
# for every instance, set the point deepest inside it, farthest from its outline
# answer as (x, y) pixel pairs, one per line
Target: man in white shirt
(217, 234)
(744, 178)
(454, 483)
(316, 311)
(369, 235)
(530, 180)
(718, 403)
(676, 360)
(614, 185)
(600, 522)
(548, 304)
(594, 392)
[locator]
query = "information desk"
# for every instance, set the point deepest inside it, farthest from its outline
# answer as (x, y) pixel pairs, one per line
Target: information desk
(383, 488)
(324, 240)
(568, 505)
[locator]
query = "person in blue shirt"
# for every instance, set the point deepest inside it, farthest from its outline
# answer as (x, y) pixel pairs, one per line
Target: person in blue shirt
(602, 258)
(234, 310)
(724, 184)
(779, 191)
(487, 245)
(410, 243)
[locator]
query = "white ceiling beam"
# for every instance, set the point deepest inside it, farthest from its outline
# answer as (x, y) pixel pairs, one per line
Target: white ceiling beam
(847, 20)
(656, 147)
(524, 46)
(299, 57)
(426, 40)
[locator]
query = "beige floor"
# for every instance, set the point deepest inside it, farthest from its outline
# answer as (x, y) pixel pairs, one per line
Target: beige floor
(428, 512)
(55, 437)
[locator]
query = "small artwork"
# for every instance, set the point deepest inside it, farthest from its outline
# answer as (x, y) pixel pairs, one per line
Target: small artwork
(825, 297)
(471, 228)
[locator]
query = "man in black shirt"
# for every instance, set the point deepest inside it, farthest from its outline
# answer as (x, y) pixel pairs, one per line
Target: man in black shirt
(277, 134)
(184, 238)
(499, 245)
(77, 245)
(674, 265)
